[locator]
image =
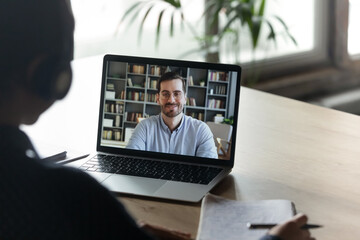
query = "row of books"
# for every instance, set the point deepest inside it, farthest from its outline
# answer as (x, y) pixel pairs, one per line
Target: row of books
(191, 101)
(111, 134)
(135, 96)
(156, 70)
(152, 83)
(196, 115)
(131, 84)
(151, 97)
(217, 76)
(216, 103)
(220, 89)
(140, 69)
(200, 82)
(114, 107)
(133, 116)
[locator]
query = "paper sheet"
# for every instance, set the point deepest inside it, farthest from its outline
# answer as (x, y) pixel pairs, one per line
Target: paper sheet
(226, 219)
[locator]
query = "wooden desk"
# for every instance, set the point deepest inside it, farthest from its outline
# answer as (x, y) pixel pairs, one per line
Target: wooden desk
(285, 149)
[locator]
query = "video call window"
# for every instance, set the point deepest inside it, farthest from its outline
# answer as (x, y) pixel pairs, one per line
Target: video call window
(131, 92)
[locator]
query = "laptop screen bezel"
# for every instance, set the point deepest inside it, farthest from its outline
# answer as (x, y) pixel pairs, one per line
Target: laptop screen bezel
(167, 156)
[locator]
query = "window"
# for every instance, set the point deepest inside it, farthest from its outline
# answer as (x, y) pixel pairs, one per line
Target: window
(353, 31)
(97, 32)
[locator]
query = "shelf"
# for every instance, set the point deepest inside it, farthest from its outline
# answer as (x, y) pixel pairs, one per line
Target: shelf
(133, 101)
(130, 122)
(140, 88)
(220, 81)
(195, 107)
(113, 142)
(216, 95)
(216, 109)
(197, 86)
(136, 74)
(152, 103)
(113, 127)
(116, 79)
(110, 113)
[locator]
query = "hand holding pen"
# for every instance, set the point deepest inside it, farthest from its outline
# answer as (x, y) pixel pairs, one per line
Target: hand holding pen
(293, 229)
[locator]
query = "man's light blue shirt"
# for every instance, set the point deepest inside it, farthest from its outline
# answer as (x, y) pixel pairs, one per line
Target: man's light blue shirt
(193, 137)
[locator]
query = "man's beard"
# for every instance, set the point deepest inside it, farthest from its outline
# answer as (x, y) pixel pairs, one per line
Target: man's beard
(172, 113)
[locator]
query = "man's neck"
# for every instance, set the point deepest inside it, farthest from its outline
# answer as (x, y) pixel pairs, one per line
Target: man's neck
(172, 122)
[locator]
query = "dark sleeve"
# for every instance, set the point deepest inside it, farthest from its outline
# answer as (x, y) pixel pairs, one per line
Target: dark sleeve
(96, 213)
(270, 237)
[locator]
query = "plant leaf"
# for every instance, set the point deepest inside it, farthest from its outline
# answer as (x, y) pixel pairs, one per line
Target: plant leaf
(172, 24)
(159, 27)
(143, 21)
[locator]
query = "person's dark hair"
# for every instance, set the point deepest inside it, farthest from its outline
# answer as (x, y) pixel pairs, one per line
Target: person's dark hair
(29, 29)
(171, 76)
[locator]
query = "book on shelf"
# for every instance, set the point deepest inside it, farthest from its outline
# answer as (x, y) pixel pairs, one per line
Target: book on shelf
(133, 116)
(140, 69)
(155, 70)
(192, 101)
(129, 81)
(135, 96)
(196, 115)
(121, 95)
(217, 76)
(222, 218)
(216, 103)
(117, 135)
(110, 87)
(153, 84)
(221, 90)
(191, 81)
(110, 94)
(107, 134)
(151, 97)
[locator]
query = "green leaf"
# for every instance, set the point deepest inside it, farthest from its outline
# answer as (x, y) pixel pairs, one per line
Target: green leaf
(272, 35)
(133, 7)
(262, 8)
(143, 21)
(159, 27)
(172, 24)
(286, 30)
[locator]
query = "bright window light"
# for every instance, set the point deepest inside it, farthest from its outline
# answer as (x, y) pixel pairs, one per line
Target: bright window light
(353, 32)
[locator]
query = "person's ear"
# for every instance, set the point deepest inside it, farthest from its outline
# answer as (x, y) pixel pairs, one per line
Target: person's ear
(157, 98)
(49, 77)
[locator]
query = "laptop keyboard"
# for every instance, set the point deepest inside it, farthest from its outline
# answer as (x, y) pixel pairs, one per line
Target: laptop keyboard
(151, 169)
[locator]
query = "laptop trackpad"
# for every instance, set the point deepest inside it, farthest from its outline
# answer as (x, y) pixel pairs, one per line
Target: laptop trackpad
(135, 185)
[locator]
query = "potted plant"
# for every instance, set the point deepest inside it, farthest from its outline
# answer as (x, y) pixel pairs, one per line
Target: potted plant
(239, 16)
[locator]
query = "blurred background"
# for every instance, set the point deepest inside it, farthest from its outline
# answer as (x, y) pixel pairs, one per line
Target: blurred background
(303, 49)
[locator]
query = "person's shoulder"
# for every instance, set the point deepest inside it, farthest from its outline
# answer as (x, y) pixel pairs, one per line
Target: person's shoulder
(150, 120)
(194, 122)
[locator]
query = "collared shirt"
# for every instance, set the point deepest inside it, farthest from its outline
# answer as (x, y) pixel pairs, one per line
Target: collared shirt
(193, 137)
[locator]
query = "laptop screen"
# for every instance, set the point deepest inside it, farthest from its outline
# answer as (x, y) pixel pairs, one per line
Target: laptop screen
(170, 109)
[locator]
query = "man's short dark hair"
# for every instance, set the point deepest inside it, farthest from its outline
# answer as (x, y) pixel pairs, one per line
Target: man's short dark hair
(171, 76)
(30, 29)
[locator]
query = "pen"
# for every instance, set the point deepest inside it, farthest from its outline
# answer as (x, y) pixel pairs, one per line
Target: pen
(262, 226)
(72, 159)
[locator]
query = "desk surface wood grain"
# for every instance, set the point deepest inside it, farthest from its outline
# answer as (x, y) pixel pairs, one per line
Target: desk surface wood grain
(285, 149)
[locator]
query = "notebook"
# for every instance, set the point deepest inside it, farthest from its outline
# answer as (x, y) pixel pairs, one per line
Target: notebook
(138, 154)
(218, 214)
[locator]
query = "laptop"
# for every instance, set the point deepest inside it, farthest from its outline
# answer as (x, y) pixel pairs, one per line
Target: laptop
(128, 96)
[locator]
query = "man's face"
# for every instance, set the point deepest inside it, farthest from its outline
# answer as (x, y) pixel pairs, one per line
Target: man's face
(171, 97)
